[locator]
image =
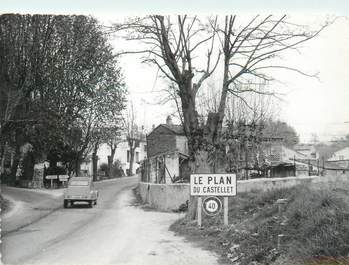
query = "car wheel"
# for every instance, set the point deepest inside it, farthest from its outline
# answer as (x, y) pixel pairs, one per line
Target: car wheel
(95, 202)
(65, 204)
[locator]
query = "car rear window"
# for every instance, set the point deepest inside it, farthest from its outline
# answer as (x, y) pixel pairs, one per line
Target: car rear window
(79, 183)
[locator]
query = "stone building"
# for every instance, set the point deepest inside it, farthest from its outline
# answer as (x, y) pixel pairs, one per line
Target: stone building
(167, 153)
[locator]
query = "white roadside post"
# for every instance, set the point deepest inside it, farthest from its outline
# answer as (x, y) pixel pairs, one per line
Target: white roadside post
(225, 213)
(199, 211)
(223, 185)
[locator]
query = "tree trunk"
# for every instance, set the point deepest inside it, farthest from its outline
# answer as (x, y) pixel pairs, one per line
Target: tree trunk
(190, 116)
(132, 155)
(111, 159)
(3, 156)
(109, 169)
(15, 162)
(77, 166)
(28, 166)
(215, 121)
(200, 165)
(94, 162)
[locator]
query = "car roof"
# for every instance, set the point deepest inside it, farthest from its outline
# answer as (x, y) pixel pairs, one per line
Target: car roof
(81, 178)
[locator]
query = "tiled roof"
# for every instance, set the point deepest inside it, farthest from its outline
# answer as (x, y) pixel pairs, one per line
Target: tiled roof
(177, 129)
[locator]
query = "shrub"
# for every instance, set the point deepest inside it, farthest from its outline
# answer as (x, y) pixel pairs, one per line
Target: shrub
(103, 167)
(57, 170)
(318, 224)
(117, 171)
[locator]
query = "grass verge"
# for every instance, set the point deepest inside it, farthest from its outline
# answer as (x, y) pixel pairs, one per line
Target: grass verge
(314, 224)
(5, 205)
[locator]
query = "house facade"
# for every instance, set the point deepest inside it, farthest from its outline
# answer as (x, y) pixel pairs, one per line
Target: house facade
(342, 154)
(284, 162)
(340, 158)
(122, 154)
(167, 153)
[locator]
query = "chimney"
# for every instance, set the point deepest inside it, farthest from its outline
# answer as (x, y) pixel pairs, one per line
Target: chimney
(169, 120)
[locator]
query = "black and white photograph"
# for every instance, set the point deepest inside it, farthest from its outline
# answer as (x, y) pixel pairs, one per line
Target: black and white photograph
(174, 132)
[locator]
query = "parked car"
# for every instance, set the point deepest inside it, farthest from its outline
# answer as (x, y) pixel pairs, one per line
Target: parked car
(80, 189)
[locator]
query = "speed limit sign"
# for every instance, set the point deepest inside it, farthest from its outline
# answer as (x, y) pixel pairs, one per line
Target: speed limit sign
(212, 206)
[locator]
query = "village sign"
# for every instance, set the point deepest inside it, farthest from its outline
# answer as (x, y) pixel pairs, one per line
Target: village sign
(212, 185)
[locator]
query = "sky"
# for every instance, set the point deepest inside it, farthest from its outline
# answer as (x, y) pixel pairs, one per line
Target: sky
(311, 106)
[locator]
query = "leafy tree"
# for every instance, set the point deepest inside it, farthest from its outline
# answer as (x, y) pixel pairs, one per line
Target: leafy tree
(61, 83)
(280, 129)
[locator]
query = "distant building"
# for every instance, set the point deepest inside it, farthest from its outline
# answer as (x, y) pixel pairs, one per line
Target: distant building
(283, 153)
(284, 162)
(340, 159)
(342, 154)
(122, 154)
(307, 149)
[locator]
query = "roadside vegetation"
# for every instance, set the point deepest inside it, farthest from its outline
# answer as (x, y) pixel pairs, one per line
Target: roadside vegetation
(314, 222)
(5, 204)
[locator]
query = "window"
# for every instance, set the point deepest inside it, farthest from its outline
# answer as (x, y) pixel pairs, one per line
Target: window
(341, 157)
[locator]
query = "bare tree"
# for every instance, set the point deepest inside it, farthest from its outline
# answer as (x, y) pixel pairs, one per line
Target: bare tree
(172, 47)
(132, 135)
(113, 139)
(249, 49)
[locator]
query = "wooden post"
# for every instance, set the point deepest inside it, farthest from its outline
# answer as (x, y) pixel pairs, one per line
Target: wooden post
(156, 170)
(164, 169)
(280, 239)
(318, 167)
(199, 211)
(226, 207)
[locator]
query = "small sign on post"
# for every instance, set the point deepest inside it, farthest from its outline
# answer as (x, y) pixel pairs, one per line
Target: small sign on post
(212, 185)
(51, 177)
(63, 178)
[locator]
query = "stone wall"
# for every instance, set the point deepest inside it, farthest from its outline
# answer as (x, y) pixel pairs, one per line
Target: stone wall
(165, 197)
(168, 197)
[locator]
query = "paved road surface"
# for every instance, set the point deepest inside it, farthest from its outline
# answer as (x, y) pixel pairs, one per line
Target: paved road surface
(114, 232)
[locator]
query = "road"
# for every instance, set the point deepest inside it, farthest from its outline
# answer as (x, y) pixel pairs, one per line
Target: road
(116, 231)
